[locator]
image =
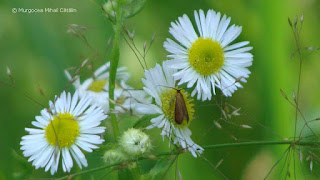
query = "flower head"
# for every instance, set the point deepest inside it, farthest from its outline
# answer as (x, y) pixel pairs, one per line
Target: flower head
(135, 142)
(160, 84)
(113, 156)
(98, 88)
(63, 130)
(207, 60)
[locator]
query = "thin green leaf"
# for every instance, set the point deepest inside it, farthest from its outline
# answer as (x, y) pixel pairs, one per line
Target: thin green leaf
(144, 121)
(161, 166)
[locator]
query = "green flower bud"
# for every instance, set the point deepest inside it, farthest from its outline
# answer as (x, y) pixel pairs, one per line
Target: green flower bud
(114, 156)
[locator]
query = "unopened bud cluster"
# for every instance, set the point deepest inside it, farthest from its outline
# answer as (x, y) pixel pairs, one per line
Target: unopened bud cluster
(113, 156)
(132, 143)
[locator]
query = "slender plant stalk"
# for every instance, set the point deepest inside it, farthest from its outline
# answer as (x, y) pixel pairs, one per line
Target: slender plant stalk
(113, 73)
(113, 69)
(214, 146)
(292, 142)
(297, 36)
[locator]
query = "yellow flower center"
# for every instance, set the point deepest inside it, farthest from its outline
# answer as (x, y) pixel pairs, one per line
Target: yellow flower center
(97, 85)
(206, 56)
(62, 130)
(168, 100)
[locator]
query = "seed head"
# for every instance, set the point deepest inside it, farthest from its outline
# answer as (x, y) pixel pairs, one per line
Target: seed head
(290, 23)
(301, 19)
(245, 126)
(134, 142)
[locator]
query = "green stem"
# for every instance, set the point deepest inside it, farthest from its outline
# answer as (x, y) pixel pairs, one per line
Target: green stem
(304, 143)
(214, 146)
(299, 80)
(113, 70)
(136, 172)
(111, 165)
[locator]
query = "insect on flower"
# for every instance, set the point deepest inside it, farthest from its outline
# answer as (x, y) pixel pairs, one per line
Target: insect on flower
(180, 108)
(174, 107)
(181, 111)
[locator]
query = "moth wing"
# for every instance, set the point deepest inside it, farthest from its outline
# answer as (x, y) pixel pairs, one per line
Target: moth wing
(181, 111)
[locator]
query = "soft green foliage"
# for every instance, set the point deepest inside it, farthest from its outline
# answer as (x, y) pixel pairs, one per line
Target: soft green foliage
(23, 164)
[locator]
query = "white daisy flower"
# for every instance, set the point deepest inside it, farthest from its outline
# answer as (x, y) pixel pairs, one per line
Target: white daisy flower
(207, 60)
(98, 89)
(160, 84)
(69, 126)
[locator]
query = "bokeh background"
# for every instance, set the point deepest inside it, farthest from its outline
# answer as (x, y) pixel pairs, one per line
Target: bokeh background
(38, 48)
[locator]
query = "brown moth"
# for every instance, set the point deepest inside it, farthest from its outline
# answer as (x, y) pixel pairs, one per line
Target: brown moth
(181, 111)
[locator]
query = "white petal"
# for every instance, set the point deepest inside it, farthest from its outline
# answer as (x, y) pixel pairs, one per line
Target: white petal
(236, 46)
(148, 109)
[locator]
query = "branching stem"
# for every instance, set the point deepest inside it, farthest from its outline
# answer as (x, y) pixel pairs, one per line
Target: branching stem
(214, 146)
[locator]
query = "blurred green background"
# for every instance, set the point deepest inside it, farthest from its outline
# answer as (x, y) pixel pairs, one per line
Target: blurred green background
(38, 48)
